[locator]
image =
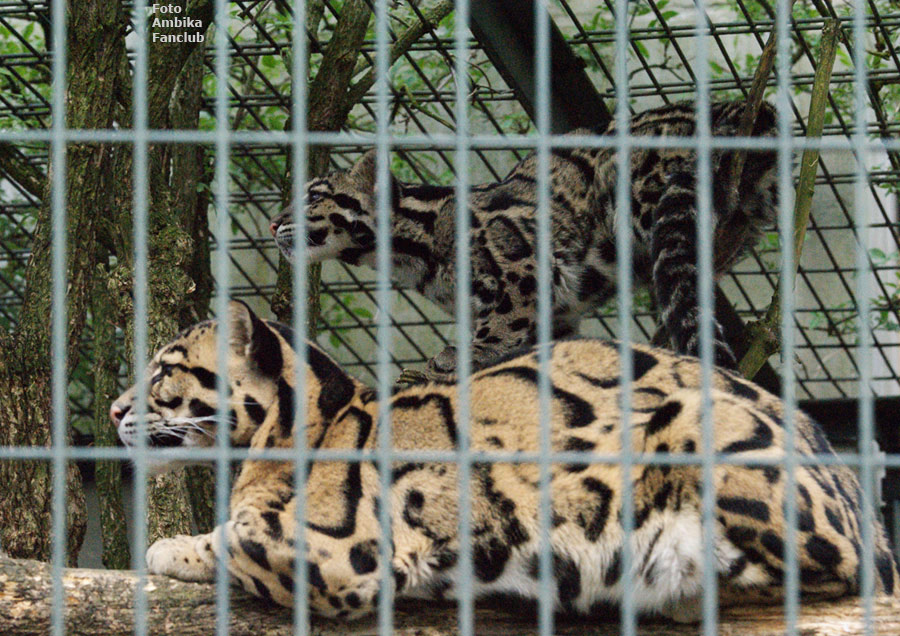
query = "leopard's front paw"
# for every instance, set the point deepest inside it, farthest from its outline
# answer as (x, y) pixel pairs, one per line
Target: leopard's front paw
(182, 557)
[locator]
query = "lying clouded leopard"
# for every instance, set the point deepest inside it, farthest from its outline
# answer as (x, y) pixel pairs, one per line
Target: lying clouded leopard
(586, 536)
(340, 221)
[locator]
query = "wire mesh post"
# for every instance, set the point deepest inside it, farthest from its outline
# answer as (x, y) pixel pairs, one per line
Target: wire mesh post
(465, 593)
(222, 264)
(58, 319)
(628, 611)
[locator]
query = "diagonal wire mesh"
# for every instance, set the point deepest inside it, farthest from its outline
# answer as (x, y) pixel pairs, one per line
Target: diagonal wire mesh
(661, 70)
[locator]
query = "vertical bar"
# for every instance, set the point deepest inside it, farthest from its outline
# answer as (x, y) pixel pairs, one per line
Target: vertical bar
(788, 383)
(463, 319)
(546, 600)
(383, 299)
(623, 298)
(222, 231)
(863, 293)
(58, 316)
(705, 297)
(139, 205)
(299, 169)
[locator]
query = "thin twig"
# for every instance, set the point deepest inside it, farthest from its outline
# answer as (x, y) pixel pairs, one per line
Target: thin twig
(765, 333)
(751, 109)
(432, 16)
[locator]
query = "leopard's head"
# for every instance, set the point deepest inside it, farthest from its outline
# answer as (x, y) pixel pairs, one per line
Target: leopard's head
(182, 398)
(340, 216)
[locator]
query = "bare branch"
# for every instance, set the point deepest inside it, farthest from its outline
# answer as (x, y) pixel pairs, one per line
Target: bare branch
(765, 333)
(16, 166)
(432, 16)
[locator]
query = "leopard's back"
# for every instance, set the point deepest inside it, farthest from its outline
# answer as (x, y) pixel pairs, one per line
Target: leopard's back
(586, 531)
(341, 223)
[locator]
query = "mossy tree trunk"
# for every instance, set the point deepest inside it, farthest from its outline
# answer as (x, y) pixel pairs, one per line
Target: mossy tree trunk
(107, 474)
(95, 45)
(178, 275)
(190, 177)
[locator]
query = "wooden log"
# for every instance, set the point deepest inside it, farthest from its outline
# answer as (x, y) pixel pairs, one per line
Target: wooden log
(102, 602)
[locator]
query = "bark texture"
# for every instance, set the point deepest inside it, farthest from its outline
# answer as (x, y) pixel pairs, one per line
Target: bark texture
(16, 166)
(179, 282)
(329, 105)
(95, 46)
(107, 474)
(102, 602)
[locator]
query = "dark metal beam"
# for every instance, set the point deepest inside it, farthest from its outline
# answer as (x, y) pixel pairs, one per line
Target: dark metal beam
(506, 30)
(839, 417)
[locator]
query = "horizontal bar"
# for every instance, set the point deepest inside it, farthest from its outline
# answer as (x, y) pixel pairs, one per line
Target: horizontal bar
(32, 453)
(443, 141)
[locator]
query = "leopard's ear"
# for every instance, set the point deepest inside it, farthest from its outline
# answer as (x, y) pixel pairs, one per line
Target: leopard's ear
(252, 338)
(240, 323)
(364, 171)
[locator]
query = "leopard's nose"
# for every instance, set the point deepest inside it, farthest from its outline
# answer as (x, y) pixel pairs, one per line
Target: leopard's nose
(273, 226)
(117, 412)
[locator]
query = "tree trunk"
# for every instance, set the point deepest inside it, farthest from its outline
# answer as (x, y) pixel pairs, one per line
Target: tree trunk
(102, 602)
(107, 474)
(178, 275)
(95, 46)
(191, 192)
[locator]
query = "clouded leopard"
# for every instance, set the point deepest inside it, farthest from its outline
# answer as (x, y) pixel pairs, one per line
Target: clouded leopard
(340, 222)
(259, 542)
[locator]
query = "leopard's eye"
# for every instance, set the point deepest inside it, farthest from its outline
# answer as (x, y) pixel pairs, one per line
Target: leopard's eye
(312, 197)
(164, 370)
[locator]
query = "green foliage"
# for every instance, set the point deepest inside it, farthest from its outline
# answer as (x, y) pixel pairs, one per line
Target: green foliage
(843, 319)
(22, 80)
(340, 313)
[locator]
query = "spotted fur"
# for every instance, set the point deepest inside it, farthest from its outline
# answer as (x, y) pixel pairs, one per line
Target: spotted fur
(340, 224)
(586, 535)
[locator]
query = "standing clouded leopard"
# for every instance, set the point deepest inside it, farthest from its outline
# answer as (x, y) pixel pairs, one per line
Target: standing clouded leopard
(340, 222)
(586, 534)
